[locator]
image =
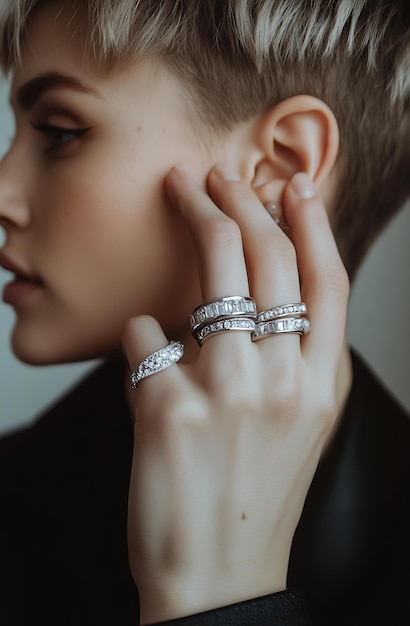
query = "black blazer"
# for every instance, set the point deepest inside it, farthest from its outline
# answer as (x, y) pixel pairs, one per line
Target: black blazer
(64, 489)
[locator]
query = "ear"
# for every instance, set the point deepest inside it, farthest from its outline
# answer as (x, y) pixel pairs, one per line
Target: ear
(298, 134)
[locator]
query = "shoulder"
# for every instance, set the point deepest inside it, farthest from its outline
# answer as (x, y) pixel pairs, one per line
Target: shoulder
(376, 428)
(352, 542)
(95, 408)
(63, 490)
(370, 396)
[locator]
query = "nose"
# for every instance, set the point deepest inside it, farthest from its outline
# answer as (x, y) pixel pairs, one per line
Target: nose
(14, 209)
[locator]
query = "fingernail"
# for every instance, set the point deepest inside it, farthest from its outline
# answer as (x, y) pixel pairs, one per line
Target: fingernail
(303, 185)
(182, 171)
(185, 175)
(227, 171)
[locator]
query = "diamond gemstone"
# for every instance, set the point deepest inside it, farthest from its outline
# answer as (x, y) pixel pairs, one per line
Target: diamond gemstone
(234, 305)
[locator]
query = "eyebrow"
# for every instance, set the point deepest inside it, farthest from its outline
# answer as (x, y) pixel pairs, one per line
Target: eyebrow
(29, 93)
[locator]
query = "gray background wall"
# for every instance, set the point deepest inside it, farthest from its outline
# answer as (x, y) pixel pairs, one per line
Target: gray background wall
(378, 323)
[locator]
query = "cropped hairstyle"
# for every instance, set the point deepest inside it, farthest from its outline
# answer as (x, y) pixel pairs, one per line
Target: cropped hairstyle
(238, 58)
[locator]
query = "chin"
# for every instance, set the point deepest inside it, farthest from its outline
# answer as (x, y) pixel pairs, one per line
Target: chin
(31, 354)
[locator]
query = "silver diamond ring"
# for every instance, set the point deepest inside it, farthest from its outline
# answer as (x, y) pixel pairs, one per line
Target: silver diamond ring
(157, 361)
(231, 306)
(285, 310)
(298, 325)
(220, 326)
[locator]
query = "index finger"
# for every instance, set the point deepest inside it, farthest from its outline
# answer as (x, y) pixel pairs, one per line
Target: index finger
(217, 237)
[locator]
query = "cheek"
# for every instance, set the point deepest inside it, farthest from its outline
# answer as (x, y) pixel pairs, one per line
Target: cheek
(89, 213)
(117, 242)
(114, 189)
(109, 246)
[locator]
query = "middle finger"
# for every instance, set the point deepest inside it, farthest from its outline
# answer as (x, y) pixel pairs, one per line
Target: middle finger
(270, 255)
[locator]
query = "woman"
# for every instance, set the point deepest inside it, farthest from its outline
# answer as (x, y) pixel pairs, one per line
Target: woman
(115, 241)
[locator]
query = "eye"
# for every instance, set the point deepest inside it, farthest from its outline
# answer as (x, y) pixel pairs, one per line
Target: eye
(57, 136)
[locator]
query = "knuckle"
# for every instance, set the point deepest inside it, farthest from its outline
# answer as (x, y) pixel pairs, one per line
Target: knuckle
(285, 251)
(280, 253)
(238, 396)
(222, 231)
(237, 399)
(176, 417)
(326, 413)
(284, 394)
(286, 397)
(237, 385)
(334, 278)
(315, 212)
(136, 325)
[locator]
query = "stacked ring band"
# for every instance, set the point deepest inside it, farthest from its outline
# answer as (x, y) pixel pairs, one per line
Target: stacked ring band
(298, 308)
(222, 315)
(297, 325)
(220, 326)
(157, 361)
(286, 318)
(231, 306)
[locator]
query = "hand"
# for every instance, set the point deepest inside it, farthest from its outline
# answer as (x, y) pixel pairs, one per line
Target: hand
(226, 445)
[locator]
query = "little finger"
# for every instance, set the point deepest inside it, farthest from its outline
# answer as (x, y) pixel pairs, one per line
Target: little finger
(324, 281)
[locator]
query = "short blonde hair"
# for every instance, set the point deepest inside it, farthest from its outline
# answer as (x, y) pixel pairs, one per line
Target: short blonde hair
(237, 58)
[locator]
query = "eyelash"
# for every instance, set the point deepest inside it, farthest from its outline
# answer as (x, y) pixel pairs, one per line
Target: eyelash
(54, 133)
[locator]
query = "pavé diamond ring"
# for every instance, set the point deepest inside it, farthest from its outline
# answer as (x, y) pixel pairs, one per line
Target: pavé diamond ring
(157, 361)
(221, 326)
(285, 310)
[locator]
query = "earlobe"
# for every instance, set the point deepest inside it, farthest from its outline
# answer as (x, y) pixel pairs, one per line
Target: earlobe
(298, 134)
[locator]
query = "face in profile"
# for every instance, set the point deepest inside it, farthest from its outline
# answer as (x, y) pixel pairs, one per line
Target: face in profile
(83, 202)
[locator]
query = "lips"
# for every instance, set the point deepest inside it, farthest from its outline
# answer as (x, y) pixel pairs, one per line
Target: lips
(23, 284)
(21, 273)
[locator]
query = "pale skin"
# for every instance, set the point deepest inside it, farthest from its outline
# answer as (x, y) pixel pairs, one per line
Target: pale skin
(125, 245)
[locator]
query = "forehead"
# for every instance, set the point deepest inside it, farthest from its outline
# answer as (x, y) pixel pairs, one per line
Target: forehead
(54, 50)
(54, 42)
(54, 45)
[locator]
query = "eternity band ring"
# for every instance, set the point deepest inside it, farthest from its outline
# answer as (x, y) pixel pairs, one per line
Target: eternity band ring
(299, 325)
(285, 310)
(224, 325)
(157, 361)
(230, 306)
